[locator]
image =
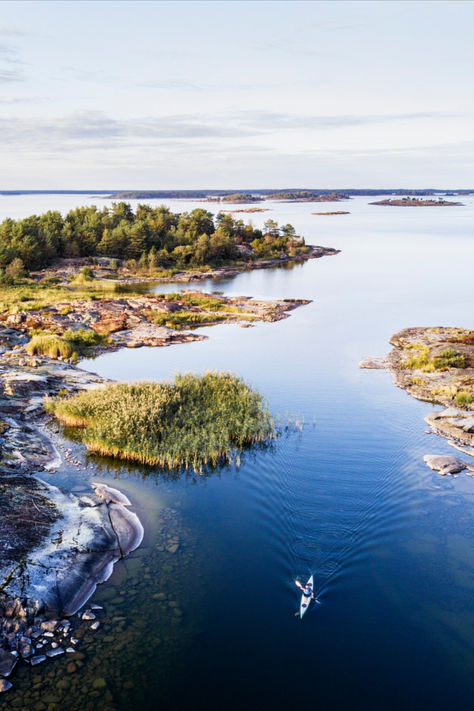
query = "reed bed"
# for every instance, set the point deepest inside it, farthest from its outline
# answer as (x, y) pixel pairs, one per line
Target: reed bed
(193, 422)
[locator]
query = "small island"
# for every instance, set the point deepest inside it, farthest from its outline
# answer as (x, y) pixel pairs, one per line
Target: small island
(248, 210)
(416, 202)
(335, 212)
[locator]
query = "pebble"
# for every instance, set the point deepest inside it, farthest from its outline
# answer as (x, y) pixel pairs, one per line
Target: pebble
(70, 650)
(37, 660)
(5, 685)
(95, 625)
(88, 615)
(54, 652)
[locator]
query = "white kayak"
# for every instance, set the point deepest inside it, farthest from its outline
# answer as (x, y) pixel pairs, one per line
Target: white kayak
(306, 599)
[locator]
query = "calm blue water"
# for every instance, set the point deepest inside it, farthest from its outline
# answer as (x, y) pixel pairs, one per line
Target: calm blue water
(346, 497)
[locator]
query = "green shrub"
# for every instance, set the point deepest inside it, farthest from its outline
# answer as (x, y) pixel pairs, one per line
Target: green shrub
(464, 398)
(449, 359)
(194, 421)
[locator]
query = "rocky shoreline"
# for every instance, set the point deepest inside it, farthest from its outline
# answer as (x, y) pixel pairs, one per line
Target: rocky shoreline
(55, 547)
(436, 365)
(314, 252)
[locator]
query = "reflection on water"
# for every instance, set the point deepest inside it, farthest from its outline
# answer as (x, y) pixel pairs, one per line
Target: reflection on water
(348, 498)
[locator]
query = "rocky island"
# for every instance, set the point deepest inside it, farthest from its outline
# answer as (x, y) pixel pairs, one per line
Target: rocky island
(307, 196)
(417, 202)
(437, 365)
(334, 212)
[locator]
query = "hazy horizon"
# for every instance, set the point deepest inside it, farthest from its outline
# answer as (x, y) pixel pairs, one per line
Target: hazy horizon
(192, 94)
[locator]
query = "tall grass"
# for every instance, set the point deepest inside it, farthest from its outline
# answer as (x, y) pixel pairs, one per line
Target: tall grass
(185, 319)
(192, 422)
(70, 345)
(31, 296)
(204, 301)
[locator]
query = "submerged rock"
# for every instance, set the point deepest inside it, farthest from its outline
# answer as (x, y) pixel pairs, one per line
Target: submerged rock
(110, 495)
(55, 652)
(5, 685)
(127, 527)
(7, 662)
(37, 660)
(444, 464)
(88, 615)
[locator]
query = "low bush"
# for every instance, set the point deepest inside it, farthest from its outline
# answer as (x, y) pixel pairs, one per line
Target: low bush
(449, 359)
(463, 398)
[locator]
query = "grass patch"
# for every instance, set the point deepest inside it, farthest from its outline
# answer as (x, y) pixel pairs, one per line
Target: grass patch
(71, 344)
(207, 303)
(185, 319)
(463, 398)
(194, 421)
(421, 359)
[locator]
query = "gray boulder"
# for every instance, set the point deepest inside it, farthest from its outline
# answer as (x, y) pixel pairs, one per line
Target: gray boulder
(444, 464)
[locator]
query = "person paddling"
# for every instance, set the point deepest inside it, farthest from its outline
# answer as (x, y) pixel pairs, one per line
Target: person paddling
(307, 590)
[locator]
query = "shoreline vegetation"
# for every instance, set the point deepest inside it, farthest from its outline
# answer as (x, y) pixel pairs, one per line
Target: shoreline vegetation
(193, 422)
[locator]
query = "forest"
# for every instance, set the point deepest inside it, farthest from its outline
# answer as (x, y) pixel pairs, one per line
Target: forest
(154, 235)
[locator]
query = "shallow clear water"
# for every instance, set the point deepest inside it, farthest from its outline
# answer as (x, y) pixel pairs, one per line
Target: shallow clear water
(346, 496)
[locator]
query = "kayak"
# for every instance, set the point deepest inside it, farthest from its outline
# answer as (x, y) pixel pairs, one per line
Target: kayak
(305, 601)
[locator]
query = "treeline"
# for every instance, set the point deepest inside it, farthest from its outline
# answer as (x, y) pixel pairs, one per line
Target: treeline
(155, 235)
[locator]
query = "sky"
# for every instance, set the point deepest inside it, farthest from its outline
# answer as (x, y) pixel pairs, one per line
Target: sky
(236, 95)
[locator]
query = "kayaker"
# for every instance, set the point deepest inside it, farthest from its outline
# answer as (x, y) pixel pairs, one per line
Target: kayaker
(306, 589)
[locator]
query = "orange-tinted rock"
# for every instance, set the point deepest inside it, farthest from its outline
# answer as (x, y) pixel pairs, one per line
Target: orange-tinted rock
(108, 325)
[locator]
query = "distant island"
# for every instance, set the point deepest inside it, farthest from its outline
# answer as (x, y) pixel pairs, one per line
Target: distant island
(416, 202)
(126, 194)
(335, 212)
(248, 209)
(307, 196)
(236, 197)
